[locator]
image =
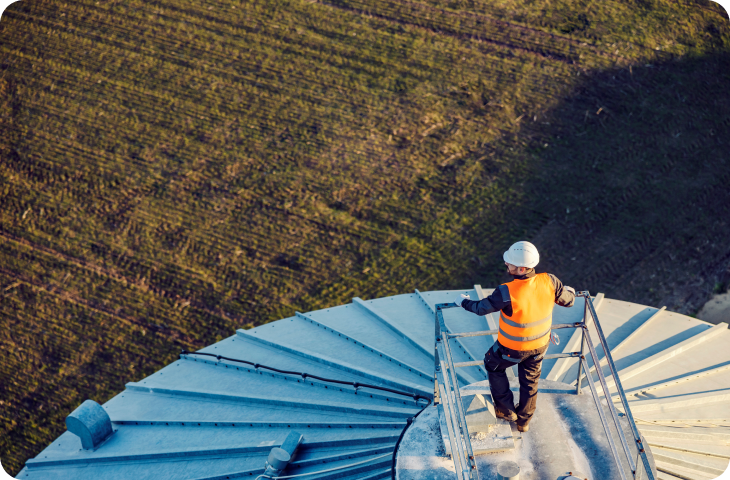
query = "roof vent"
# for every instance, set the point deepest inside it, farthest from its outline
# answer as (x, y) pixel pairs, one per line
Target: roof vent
(91, 423)
(279, 458)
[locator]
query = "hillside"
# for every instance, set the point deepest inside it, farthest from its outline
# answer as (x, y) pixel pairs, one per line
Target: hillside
(173, 170)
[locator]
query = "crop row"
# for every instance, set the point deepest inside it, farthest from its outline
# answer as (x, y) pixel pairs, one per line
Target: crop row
(99, 129)
(194, 254)
(172, 54)
(154, 116)
(300, 56)
(162, 111)
(613, 27)
(128, 302)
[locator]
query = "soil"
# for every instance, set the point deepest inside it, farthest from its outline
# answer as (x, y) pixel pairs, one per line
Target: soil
(716, 310)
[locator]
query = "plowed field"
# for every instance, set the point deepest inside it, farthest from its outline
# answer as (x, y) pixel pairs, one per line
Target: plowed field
(173, 170)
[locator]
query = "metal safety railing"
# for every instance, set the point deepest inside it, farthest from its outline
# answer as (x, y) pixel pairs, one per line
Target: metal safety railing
(446, 392)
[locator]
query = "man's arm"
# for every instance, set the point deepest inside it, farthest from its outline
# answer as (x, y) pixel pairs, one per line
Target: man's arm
(492, 303)
(564, 295)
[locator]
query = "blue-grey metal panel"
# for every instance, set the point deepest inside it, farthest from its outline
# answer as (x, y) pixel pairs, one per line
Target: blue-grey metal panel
(243, 348)
(353, 464)
(201, 417)
(367, 369)
(191, 451)
(147, 442)
(227, 379)
(304, 336)
(663, 339)
(335, 405)
(406, 314)
(146, 407)
(182, 469)
(360, 325)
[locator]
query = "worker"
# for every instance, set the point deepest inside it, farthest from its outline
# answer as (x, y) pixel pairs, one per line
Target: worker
(525, 305)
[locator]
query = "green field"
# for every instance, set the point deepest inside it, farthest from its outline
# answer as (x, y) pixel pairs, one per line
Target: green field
(172, 170)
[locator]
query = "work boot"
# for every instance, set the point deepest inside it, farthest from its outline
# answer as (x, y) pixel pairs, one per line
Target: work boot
(510, 416)
(523, 428)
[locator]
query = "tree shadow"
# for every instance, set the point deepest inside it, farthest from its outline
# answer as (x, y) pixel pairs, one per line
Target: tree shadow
(628, 193)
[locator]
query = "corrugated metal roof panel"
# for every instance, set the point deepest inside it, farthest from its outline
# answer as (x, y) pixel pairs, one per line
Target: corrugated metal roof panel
(203, 417)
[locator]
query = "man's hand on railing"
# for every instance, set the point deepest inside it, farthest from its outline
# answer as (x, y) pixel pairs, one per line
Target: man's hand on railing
(460, 299)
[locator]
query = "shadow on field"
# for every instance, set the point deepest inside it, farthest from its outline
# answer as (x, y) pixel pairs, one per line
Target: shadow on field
(629, 192)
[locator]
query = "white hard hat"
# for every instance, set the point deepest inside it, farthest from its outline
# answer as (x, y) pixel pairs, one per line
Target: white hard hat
(522, 254)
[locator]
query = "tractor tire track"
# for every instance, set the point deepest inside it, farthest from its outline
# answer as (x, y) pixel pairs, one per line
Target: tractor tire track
(455, 33)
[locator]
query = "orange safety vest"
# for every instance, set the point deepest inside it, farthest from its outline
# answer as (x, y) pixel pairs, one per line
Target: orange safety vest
(532, 314)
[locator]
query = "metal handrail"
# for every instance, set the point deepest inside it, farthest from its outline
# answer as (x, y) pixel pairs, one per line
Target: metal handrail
(457, 450)
(546, 357)
(456, 420)
(611, 408)
(496, 330)
(604, 422)
(469, 466)
(465, 462)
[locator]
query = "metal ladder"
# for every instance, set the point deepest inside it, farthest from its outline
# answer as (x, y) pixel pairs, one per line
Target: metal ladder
(446, 392)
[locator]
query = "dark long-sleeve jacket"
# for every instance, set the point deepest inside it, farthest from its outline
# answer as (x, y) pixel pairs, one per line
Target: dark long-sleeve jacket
(500, 300)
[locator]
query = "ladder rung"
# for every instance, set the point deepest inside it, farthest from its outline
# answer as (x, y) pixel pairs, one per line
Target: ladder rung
(562, 355)
(494, 332)
(469, 364)
(472, 334)
(547, 357)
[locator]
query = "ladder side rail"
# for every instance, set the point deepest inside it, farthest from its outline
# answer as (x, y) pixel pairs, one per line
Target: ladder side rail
(604, 422)
(443, 330)
(444, 391)
(619, 388)
(611, 408)
(468, 463)
(474, 473)
(436, 358)
(457, 451)
(582, 346)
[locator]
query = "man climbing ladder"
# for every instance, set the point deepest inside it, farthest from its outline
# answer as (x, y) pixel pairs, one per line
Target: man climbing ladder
(526, 306)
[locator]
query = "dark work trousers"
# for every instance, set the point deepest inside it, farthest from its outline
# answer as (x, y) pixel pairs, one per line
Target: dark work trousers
(528, 369)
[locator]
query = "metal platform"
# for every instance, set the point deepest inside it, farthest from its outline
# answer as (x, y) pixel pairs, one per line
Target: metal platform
(565, 436)
(207, 418)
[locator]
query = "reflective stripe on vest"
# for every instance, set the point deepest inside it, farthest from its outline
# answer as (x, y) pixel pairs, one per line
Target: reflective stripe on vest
(523, 339)
(528, 328)
(547, 320)
(545, 323)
